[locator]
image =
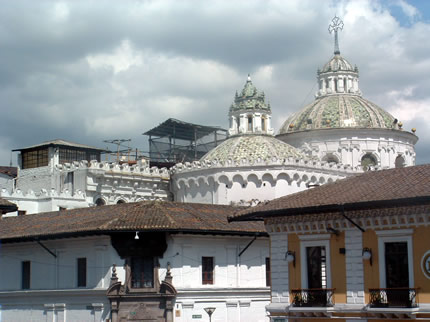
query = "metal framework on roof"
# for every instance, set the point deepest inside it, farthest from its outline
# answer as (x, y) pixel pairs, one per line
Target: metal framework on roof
(176, 141)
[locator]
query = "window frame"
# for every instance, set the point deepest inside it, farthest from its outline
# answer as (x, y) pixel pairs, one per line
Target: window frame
(268, 269)
(389, 236)
(155, 282)
(25, 275)
(322, 240)
(79, 276)
(210, 281)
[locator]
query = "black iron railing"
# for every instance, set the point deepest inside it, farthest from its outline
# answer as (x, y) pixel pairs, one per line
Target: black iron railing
(313, 297)
(393, 297)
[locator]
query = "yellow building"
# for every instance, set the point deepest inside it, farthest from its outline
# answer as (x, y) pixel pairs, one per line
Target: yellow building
(356, 249)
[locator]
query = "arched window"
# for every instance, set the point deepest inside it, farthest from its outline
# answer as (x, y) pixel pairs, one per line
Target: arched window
(330, 158)
(250, 123)
(263, 123)
(368, 160)
(120, 201)
(400, 162)
(100, 202)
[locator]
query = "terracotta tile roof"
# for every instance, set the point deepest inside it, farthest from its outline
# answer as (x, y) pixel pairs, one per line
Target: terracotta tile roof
(371, 188)
(10, 171)
(141, 216)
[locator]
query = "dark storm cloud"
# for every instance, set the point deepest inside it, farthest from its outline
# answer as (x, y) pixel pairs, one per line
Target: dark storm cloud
(88, 71)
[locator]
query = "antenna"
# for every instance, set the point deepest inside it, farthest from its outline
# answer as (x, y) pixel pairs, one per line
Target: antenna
(336, 24)
(119, 142)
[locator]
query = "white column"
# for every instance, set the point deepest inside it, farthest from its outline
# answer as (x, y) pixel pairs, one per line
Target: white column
(340, 88)
(279, 266)
(354, 267)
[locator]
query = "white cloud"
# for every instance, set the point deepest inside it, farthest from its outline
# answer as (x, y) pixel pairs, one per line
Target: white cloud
(123, 58)
(408, 9)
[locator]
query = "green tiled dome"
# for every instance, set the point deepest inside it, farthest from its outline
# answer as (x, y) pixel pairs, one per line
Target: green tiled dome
(252, 148)
(339, 111)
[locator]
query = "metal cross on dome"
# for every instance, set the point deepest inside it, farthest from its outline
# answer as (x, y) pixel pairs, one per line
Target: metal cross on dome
(336, 24)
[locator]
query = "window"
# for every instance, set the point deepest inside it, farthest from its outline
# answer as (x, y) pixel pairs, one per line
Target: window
(34, 159)
(330, 158)
(396, 264)
(100, 202)
(250, 123)
(82, 272)
(315, 260)
(142, 272)
(207, 270)
(316, 267)
(263, 123)
(395, 260)
(268, 272)
(69, 181)
(70, 155)
(400, 162)
(368, 160)
(25, 277)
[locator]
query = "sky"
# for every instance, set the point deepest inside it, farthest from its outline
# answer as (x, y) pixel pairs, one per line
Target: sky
(89, 71)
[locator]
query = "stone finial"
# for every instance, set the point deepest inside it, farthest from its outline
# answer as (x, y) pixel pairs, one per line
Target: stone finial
(114, 277)
(249, 78)
(168, 277)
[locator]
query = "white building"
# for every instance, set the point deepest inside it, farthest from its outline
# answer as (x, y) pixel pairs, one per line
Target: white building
(159, 260)
(58, 175)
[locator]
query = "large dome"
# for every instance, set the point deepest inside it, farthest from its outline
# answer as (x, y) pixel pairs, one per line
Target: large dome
(339, 111)
(252, 148)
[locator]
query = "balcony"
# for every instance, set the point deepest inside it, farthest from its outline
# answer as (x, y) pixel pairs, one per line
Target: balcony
(401, 297)
(313, 297)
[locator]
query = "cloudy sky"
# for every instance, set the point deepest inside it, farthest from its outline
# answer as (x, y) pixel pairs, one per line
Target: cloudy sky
(88, 71)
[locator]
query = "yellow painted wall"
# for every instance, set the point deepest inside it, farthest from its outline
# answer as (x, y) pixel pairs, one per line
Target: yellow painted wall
(338, 268)
(337, 263)
(421, 244)
(371, 272)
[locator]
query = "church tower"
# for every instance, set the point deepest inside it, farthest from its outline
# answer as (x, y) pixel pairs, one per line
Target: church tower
(249, 113)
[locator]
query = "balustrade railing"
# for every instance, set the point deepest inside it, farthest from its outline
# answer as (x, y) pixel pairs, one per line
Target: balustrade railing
(393, 297)
(313, 297)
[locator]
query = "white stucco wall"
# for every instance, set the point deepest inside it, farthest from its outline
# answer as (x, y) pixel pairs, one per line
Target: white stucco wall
(208, 183)
(53, 295)
(239, 290)
(350, 145)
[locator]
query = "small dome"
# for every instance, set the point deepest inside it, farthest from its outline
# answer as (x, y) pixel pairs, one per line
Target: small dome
(339, 111)
(249, 98)
(252, 148)
(338, 63)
